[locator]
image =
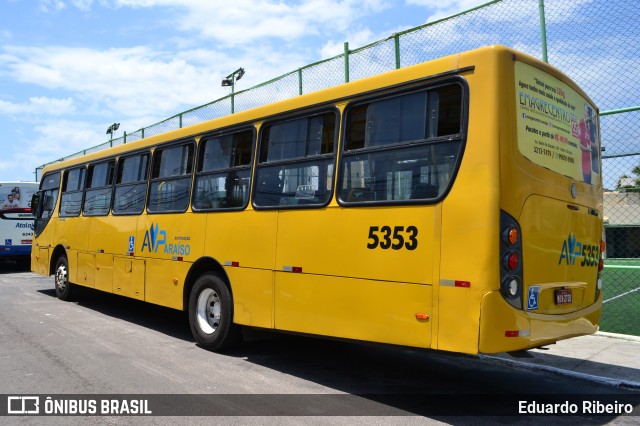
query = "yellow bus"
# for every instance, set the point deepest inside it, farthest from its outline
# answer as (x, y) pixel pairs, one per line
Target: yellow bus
(453, 205)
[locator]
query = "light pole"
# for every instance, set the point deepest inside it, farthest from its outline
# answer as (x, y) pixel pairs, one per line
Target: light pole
(230, 80)
(110, 131)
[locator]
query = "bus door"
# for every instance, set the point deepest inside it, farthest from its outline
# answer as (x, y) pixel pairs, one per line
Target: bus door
(44, 210)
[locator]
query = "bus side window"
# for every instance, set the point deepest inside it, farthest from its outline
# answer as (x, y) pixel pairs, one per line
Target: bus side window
(72, 186)
(97, 199)
(170, 186)
(296, 162)
(403, 148)
(131, 184)
(223, 172)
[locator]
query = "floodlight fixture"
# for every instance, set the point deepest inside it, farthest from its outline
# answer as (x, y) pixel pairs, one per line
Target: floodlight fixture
(113, 128)
(230, 81)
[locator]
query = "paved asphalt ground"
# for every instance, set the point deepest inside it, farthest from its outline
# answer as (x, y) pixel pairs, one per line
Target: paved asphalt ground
(103, 344)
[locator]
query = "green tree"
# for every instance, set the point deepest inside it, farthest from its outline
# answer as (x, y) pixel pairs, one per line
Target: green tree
(629, 184)
(636, 171)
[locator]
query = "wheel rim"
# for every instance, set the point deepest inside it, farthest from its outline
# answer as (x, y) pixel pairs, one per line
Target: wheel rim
(208, 312)
(61, 278)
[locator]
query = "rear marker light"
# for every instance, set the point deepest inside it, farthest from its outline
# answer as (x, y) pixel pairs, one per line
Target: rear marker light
(517, 333)
(295, 269)
(512, 287)
(233, 263)
(512, 261)
(177, 258)
(455, 283)
(511, 235)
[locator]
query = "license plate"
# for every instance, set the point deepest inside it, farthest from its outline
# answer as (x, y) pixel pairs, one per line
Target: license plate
(563, 297)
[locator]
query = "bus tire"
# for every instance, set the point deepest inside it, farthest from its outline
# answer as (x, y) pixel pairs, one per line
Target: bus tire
(211, 314)
(61, 278)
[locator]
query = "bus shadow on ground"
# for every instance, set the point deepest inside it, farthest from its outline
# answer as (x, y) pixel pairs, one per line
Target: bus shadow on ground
(373, 379)
(453, 388)
(161, 319)
(616, 375)
(13, 267)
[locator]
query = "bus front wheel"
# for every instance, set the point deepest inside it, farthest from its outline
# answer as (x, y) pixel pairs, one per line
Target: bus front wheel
(61, 279)
(211, 314)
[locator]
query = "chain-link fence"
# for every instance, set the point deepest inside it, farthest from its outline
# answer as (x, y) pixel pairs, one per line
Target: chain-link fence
(595, 42)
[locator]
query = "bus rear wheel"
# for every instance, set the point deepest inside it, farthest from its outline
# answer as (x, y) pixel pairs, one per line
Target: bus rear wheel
(61, 279)
(211, 314)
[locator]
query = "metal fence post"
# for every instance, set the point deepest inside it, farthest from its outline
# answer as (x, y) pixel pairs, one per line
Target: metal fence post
(300, 81)
(346, 61)
(543, 31)
(396, 42)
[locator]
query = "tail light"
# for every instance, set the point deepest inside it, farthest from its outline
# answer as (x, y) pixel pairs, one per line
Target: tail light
(603, 247)
(511, 263)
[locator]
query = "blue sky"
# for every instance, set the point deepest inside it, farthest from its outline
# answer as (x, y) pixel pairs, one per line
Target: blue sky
(70, 68)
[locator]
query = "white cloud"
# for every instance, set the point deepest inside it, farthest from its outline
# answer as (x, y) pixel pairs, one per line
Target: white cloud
(39, 105)
(50, 6)
(356, 39)
(48, 140)
(84, 5)
(440, 9)
(238, 22)
(138, 81)
(131, 81)
(56, 138)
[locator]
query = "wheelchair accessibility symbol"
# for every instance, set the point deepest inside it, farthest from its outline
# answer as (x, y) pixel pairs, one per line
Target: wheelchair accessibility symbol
(532, 299)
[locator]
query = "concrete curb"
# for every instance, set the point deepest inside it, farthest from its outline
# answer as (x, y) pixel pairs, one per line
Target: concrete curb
(618, 336)
(626, 384)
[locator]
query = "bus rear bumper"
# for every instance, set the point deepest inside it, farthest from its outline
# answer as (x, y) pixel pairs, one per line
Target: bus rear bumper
(9, 252)
(505, 329)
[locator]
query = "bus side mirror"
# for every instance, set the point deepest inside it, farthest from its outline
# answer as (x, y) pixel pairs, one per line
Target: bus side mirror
(35, 200)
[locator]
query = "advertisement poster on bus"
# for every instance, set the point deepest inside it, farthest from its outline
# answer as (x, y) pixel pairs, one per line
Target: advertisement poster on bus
(16, 196)
(557, 128)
